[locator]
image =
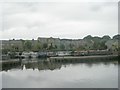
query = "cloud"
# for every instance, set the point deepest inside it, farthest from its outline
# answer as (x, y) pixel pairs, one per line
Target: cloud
(59, 0)
(59, 19)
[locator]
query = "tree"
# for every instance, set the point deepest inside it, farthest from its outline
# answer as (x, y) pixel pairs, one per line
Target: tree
(96, 39)
(62, 46)
(71, 46)
(116, 37)
(28, 45)
(81, 47)
(55, 47)
(102, 46)
(89, 37)
(22, 48)
(106, 37)
(95, 46)
(45, 46)
(5, 51)
(36, 46)
(14, 48)
(51, 47)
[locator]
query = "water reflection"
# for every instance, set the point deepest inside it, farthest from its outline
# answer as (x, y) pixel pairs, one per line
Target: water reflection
(46, 64)
(45, 73)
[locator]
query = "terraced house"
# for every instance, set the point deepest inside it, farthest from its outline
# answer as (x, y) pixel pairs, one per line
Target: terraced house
(88, 43)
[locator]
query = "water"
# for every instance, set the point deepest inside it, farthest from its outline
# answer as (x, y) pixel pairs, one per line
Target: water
(60, 74)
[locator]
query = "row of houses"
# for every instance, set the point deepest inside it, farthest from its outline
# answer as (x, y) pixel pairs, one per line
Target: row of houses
(67, 43)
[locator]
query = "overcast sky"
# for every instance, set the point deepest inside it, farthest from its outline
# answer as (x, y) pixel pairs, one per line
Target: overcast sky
(70, 19)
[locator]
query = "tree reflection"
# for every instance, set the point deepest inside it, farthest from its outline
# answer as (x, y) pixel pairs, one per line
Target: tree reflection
(47, 64)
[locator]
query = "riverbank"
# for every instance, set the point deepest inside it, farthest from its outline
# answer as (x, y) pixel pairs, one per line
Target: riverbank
(80, 57)
(47, 54)
(67, 58)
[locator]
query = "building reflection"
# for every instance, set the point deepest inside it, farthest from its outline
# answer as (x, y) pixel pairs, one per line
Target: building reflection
(46, 64)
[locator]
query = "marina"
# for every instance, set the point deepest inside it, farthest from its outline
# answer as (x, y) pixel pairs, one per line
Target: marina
(64, 58)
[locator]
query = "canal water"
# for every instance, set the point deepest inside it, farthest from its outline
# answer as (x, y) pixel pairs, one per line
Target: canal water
(42, 73)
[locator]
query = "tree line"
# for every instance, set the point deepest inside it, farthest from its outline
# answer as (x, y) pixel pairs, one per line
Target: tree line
(91, 43)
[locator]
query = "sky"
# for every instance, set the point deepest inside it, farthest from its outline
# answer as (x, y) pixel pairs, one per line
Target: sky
(73, 19)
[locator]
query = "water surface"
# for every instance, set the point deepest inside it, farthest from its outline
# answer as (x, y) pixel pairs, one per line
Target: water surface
(41, 73)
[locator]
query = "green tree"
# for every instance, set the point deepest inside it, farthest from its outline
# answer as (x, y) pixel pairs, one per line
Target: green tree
(5, 51)
(36, 47)
(81, 47)
(106, 37)
(51, 47)
(71, 46)
(89, 37)
(22, 48)
(45, 46)
(28, 45)
(102, 46)
(14, 48)
(116, 37)
(62, 46)
(55, 47)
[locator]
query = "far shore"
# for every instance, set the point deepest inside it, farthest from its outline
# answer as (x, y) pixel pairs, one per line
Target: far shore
(79, 57)
(66, 57)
